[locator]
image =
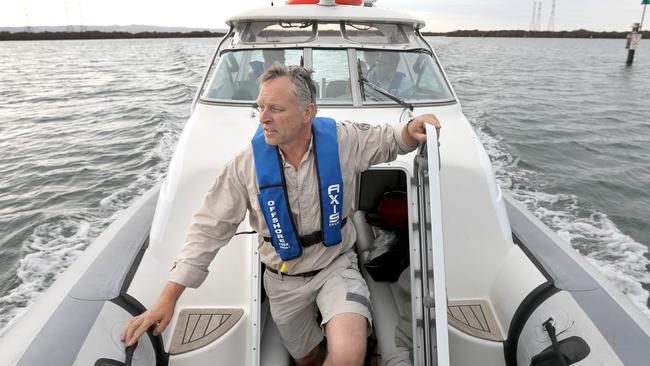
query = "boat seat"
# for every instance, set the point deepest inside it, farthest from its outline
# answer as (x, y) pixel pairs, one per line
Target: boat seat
(336, 88)
(245, 90)
(384, 297)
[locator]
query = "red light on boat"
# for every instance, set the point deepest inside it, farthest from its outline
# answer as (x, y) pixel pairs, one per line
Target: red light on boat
(340, 2)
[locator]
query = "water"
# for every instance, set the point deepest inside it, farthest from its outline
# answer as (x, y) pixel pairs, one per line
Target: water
(567, 127)
(88, 126)
(85, 128)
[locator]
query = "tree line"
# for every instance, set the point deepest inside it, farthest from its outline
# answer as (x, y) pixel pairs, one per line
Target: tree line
(45, 36)
(580, 33)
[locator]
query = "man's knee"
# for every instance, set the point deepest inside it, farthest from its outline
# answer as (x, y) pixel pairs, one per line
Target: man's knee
(346, 339)
(312, 358)
(339, 357)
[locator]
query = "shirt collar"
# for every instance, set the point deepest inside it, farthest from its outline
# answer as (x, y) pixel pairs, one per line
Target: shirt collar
(304, 157)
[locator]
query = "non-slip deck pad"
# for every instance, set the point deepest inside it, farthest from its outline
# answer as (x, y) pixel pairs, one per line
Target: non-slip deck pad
(196, 328)
(475, 318)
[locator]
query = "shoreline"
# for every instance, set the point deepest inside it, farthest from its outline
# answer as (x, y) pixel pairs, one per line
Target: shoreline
(51, 36)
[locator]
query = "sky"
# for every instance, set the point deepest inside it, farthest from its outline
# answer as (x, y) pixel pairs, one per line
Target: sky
(440, 15)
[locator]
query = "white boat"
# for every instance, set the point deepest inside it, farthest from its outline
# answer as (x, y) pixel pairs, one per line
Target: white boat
(489, 283)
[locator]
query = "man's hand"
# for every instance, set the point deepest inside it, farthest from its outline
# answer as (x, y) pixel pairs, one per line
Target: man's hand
(415, 131)
(160, 314)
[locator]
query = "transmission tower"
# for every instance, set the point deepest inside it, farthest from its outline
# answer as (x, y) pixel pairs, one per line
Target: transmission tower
(532, 20)
(538, 25)
(68, 27)
(551, 20)
(28, 28)
(82, 23)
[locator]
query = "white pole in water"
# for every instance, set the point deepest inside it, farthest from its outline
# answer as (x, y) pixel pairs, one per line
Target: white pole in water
(634, 38)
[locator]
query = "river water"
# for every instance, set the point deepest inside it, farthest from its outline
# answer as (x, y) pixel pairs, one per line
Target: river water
(87, 126)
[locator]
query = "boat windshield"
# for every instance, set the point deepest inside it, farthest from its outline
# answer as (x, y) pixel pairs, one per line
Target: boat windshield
(411, 76)
(236, 76)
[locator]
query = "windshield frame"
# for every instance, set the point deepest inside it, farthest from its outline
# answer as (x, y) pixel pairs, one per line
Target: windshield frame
(353, 55)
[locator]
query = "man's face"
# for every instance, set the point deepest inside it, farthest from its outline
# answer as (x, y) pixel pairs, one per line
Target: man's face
(386, 68)
(370, 57)
(281, 116)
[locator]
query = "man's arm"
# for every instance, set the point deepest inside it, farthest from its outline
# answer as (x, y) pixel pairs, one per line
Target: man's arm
(160, 314)
(213, 225)
(415, 132)
(370, 145)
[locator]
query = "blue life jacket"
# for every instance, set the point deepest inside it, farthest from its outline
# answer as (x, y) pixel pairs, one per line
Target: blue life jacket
(273, 196)
(257, 67)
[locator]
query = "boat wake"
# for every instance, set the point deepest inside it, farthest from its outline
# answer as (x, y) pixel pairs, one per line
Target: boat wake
(617, 256)
(54, 245)
(117, 145)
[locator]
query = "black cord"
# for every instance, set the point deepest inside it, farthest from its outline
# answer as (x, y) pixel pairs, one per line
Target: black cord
(550, 329)
(129, 354)
(246, 232)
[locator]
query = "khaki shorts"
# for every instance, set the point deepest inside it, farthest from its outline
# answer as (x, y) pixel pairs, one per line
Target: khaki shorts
(296, 300)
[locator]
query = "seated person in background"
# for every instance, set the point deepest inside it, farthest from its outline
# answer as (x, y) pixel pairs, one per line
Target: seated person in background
(369, 62)
(271, 57)
(386, 76)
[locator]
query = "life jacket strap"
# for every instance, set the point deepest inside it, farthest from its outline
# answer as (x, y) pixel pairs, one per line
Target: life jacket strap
(310, 239)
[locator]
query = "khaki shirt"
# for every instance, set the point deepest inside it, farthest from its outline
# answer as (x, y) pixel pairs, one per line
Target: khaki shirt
(235, 192)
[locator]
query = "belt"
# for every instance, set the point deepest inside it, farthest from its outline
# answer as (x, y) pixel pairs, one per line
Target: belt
(310, 239)
(305, 274)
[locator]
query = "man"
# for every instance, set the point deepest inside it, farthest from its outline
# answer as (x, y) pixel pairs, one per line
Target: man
(309, 254)
(369, 61)
(386, 76)
(271, 57)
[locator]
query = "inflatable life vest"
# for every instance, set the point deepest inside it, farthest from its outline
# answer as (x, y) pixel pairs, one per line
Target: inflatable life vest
(273, 196)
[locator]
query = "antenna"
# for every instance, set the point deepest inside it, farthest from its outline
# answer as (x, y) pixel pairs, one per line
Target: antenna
(551, 20)
(532, 20)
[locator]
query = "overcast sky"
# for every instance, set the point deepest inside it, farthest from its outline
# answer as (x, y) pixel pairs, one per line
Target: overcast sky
(440, 15)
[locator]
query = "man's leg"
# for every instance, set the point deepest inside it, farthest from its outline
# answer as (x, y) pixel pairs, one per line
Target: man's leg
(312, 359)
(344, 302)
(346, 340)
(294, 312)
